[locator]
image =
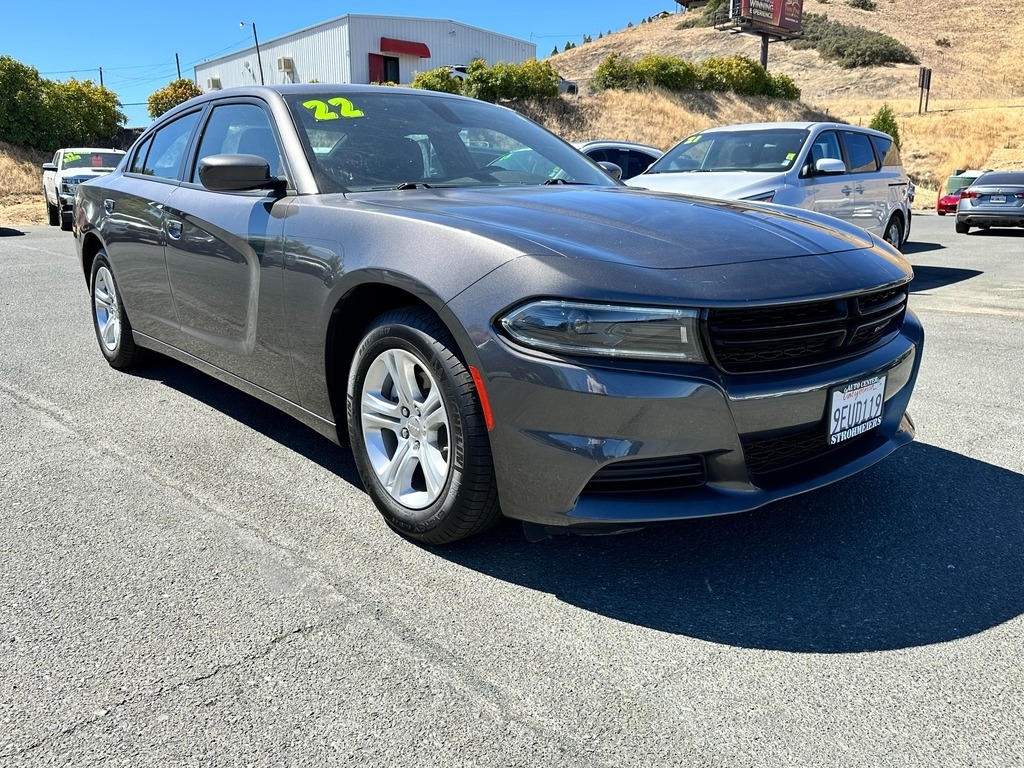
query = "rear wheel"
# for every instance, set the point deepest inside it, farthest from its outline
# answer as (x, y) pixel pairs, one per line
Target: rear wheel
(113, 331)
(65, 220)
(894, 232)
(961, 228)
(417, 430)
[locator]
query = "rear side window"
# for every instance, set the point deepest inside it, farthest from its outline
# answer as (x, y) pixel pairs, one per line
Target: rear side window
(887, 150)
(167, 148)
(139, 158)
(860, 154)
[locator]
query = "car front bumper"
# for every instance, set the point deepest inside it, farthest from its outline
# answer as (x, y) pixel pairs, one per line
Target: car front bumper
(584, 445)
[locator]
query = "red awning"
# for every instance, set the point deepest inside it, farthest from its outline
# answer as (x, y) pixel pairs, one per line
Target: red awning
(390, 45)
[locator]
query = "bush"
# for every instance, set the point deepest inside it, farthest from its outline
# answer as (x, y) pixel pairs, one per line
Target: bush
(864, 5)
(174, 93)
(440, 79)
(885, 121)
(851, 46)
(531, 79)
(736, 74)
(668, 72)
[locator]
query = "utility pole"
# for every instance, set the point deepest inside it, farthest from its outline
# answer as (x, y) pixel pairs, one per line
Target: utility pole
(177, 65)
(259, 61)
(101, 77)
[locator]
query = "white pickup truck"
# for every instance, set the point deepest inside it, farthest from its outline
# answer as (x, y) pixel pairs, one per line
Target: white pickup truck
(69, 168)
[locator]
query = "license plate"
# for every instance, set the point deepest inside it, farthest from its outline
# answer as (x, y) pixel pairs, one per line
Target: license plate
(855, 408)
(997, 199)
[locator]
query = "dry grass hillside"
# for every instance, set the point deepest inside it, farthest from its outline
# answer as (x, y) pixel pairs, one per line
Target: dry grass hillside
(975, 108)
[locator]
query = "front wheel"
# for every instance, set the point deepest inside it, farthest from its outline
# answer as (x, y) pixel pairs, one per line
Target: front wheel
(113, 331)
(417, 430)
(52, 214)
(894, 232)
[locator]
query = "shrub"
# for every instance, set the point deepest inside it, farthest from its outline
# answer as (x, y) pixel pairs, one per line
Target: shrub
(615, 72)
(531, 79)
(782, 87)
(851, 46)
(885, 121)
(668, 72)
(736, 74)
(864, 5)
(440, 79)
(943, 42)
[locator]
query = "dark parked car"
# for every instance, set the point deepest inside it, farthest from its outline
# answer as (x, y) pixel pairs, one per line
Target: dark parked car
(632, 159)
(994, 199)
(565, 351)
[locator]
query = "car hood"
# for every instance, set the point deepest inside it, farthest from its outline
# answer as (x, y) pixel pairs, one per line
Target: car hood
(84, 173)
(623, 225)
(727, 185)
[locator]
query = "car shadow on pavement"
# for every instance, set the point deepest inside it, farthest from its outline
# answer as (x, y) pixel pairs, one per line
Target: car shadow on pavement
(923, 548)
(255, 414)
(928, 278)
(911, 247)
(8, 232)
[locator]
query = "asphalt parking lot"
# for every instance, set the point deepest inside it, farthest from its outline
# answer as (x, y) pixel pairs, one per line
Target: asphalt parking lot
(192, 578)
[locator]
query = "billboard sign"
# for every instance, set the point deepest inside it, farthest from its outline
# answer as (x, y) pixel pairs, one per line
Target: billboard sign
(769, 15)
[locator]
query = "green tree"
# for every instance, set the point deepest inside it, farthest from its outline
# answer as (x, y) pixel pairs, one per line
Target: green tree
(530, 79)
(885, 121)
(440, 79)
(89, 113)
(615, 72)
(171, 95)
(22, 104)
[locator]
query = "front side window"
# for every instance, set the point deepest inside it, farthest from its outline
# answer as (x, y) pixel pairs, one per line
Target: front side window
(239, 129)
(167, 148)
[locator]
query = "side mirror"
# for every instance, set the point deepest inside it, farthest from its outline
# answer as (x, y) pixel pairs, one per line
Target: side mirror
(611, 169)
(49, 167)
(236, 173)
(829, 165)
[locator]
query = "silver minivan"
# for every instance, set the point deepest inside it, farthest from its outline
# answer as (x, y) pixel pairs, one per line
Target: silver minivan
(844, 171)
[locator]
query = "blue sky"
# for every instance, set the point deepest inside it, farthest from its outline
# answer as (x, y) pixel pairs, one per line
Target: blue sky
(135, 42)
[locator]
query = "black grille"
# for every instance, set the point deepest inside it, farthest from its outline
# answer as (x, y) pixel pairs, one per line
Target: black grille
(765, 455)
(761, 339)
(660, 474)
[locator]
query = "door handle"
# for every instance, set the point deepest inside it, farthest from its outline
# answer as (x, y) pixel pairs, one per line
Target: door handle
(174, 229)
(108, 206)
(846, 190)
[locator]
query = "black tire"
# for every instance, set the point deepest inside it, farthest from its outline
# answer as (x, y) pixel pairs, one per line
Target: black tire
(52, 214)
(420, 444)
(109, 320)
(893, 234)
(65, 221)
(942, 213)
(962, 229)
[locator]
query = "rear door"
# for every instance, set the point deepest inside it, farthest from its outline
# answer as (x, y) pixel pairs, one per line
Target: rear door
(133, 227)
(869, 190)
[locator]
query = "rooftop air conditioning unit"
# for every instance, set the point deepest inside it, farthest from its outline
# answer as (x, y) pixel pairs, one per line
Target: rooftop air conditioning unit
(213, 84)
(286, 64)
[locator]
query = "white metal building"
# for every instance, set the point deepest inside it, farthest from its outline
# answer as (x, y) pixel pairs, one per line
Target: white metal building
(362, 49)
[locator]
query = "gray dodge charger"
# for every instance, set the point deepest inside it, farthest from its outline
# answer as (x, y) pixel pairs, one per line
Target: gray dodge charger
(493, 338)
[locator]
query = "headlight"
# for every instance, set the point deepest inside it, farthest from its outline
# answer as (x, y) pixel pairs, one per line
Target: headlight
(579, 328)
(764, 197)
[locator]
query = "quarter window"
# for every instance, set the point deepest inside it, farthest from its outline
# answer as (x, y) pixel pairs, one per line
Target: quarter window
(886, 149)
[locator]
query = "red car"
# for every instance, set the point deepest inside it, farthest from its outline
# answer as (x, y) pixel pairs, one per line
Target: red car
(947, 202)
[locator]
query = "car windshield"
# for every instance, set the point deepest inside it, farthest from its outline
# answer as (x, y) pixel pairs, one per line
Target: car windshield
(80, 159)
(955, 183)
(758, 150)
(362, 141)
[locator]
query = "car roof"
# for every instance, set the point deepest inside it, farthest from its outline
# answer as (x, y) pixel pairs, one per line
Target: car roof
(615, 143)
(91, 149)
(790, 125)
(1000, 177)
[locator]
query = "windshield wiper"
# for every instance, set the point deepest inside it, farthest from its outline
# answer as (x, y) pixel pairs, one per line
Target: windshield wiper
(566, 181)
(414, 185)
